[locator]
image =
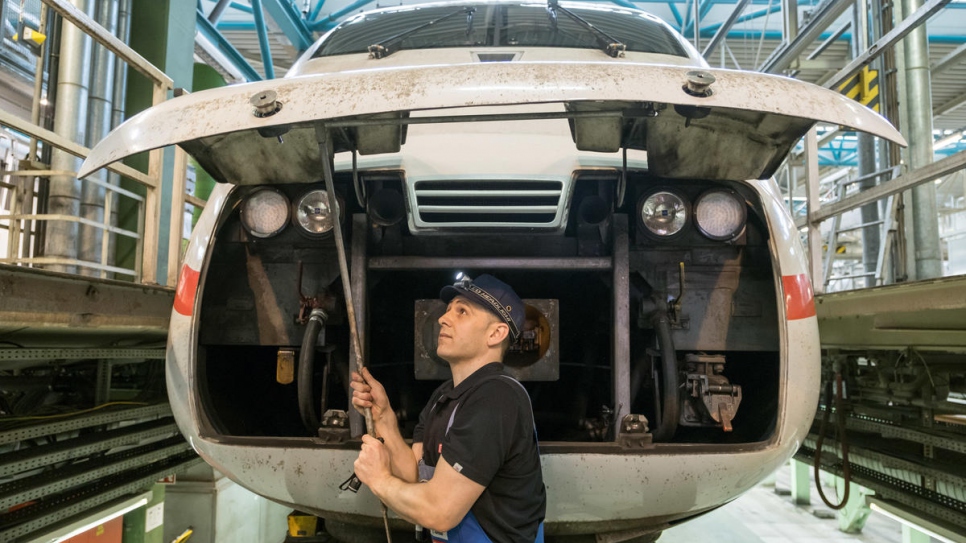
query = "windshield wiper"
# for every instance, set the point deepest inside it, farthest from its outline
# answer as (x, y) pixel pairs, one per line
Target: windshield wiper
(609, 45)
(391, 45)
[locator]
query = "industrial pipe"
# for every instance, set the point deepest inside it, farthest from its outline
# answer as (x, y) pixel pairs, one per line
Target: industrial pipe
(671, 405)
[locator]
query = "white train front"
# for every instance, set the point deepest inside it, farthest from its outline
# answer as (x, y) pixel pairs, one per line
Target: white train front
(586, 155)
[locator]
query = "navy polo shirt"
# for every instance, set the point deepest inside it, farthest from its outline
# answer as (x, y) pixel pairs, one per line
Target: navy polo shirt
(491, 441)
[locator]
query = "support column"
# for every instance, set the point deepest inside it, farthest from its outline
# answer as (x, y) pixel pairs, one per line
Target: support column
(163, 31)
(93, 196)
(801, 482)
(918, 100)
(205, 77)
(865, 152)
(856, 512)
(70, 121)
(814, 202)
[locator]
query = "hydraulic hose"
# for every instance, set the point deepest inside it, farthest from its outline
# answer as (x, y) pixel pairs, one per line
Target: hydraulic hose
(671, 405)
(307, 368)
(840, 423)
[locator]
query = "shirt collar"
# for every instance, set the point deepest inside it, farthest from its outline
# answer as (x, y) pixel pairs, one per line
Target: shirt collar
(490, 369)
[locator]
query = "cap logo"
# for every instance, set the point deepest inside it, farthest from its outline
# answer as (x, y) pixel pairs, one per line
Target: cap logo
(497, 306)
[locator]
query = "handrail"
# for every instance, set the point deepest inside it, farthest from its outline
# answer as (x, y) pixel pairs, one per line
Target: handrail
(148, 206)
(818, 212)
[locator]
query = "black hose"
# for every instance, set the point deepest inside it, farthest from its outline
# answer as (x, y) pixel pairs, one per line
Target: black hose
(671, 410)
(843, 441)
(306, 371)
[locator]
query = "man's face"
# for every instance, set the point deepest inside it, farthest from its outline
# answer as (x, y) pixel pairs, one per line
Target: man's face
(463, 330)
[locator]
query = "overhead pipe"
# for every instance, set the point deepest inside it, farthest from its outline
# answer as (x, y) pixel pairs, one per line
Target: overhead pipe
(117, 110)
(316, 9)
(263, 44)
(93, 196)
(723, 30)
(70, 114)
(928, 255)
(217, 11)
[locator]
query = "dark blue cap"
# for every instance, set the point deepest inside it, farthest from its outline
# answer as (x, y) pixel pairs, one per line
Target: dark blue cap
(493, 294)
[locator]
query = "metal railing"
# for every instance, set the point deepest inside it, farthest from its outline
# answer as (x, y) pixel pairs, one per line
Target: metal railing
(22, 179)
(834, 202)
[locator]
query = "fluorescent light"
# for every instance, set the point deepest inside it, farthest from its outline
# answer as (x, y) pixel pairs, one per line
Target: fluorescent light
(96, 520)
(921, 525)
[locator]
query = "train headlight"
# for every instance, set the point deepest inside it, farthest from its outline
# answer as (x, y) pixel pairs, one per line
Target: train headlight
(664, 213)
(314, 213)
(720, 214)
(265, 213)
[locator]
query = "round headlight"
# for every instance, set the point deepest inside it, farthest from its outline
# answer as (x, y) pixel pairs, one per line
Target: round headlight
(265, 213)
(720, 215)
(314, 213)
(664, 213)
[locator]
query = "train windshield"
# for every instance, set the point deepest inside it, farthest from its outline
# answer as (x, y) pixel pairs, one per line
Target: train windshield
(488, 25)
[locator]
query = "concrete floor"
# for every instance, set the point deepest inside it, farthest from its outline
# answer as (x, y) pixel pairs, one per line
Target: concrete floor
(764, 516)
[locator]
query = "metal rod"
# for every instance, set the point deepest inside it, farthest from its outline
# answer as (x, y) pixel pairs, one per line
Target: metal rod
(722, 33)
(325, 154)
(885, 42)
(621, 315)
(360, 232)
(868, 176)
(216, 12)
(48, 173)
(263, 44)
(814, 205)
(828, 42)
(825, 15)
(89, 26)
(79, 220)
(76, 149)
(940, 168)
(860, 226)
(60, 261)
(497, 263)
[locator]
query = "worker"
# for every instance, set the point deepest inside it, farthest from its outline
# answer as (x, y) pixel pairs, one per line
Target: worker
(473, 471)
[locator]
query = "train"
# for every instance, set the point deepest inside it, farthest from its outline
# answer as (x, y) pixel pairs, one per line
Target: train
(585, 154)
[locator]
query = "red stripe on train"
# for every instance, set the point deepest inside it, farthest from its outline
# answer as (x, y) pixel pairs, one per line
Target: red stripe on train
(799, 300)
(184, 296)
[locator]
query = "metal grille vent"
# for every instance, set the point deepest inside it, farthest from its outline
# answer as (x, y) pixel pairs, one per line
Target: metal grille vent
(488, 203)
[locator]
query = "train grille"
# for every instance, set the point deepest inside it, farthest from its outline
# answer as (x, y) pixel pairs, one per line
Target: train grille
(493, 203)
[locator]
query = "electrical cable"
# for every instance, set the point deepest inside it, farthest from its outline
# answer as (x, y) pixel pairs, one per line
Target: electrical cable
(840, 424)
(69, 414)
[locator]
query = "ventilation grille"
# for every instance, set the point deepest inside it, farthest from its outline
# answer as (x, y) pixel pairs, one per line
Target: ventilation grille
(488, 203)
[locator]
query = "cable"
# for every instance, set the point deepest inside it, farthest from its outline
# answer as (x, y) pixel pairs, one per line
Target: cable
(840, 423)
(70, 414)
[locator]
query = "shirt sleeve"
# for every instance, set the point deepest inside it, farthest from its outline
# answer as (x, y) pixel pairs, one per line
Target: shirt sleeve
(484, 429)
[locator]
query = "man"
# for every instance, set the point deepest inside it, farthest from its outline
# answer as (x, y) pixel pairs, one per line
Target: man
(475, 445)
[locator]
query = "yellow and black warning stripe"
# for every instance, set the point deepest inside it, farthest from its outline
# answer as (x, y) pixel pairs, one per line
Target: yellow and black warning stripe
(863, 87)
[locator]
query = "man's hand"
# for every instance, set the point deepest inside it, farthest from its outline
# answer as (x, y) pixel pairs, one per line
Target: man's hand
(372, 467)
(367, 392)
